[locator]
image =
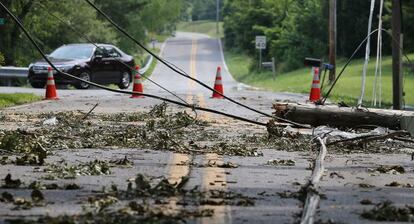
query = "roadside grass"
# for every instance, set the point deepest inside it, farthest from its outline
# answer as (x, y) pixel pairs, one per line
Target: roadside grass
(347, 89)
(159, 37)
(151, 68)
(207, 27)
(13, 99)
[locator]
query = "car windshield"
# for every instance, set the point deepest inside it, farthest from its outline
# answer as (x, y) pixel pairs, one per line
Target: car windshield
(72, 52)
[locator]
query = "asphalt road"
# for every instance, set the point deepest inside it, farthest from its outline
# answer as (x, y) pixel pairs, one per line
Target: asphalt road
(200, 56)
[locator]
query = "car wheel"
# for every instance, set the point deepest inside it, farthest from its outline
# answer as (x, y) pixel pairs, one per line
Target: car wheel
(85, 75)
(125, 80)
(38, 85)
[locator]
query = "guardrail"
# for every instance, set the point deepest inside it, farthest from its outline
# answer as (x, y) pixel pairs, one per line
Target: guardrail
(147, 65)
(7, 74)
(13, 72)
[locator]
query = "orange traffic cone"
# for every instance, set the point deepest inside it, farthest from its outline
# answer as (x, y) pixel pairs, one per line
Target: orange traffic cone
(218, 85)
(137, 84)
(315, 94)
(50, 86)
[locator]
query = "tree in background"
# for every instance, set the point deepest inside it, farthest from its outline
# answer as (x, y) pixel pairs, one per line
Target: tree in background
(48, 32)
(126, 13)
(201, 9)
(141, 18)
(138, 17)
(1, 59)
(294, 29)
(10, 33)
(299, 28)
(303, 33)
(353, 26)
(408, 25)
(160, 16)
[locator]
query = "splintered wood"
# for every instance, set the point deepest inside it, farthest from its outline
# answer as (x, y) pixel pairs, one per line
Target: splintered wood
(336, 116)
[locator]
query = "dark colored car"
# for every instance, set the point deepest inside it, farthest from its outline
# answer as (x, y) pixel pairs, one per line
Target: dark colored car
(105, 64)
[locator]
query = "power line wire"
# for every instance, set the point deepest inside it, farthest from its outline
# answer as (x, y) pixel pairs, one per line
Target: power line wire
(168, 64)
(194, 107)
(352, 57)
(120, 61)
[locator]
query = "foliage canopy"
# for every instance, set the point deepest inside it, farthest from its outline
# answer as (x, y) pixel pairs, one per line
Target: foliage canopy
(139, 17)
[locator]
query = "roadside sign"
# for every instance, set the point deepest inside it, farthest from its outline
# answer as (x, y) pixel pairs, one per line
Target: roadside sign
(261, 42)
(2, 21)
(261, 45)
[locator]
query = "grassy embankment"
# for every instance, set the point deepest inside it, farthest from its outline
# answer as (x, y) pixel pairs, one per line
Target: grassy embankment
(347, 89)
(12, 99)
(299, 81)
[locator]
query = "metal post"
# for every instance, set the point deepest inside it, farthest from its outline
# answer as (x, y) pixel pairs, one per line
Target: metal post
(260, 58)
(332, 38)
(396, 55)
(274, 67)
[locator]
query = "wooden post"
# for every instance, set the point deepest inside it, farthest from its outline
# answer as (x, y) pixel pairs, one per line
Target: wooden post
(332, 38)
(396, 55)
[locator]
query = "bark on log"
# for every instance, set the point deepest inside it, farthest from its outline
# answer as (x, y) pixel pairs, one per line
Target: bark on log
(341, 116)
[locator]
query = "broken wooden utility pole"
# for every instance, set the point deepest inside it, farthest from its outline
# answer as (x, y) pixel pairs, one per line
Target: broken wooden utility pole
(397, 81)
(345, 117)
(332, 38)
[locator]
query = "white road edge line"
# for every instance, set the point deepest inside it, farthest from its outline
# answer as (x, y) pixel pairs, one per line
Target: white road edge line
(163, 47)
(227, 68)
(222, 57)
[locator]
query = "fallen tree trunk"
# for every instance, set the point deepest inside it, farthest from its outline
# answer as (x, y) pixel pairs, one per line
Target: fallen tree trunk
(335, 116)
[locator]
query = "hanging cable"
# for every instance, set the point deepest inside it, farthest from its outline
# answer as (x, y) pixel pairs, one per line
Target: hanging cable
(322, 102)
(345, 66)
(168, 64)
(367, 54)
(378, 64)
(194, 107)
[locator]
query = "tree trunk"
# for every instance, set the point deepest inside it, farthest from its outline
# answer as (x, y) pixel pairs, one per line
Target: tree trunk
(12, 32)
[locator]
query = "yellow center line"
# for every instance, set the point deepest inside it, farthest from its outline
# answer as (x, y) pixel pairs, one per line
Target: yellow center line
(178, 168)
(214, 178)
(202, 103)
(179, 164)
(193, 68)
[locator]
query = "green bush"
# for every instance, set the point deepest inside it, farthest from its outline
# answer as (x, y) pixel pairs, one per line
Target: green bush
(294, 31)
(1, 59)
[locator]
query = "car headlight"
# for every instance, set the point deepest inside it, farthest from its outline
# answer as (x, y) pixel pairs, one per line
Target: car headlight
(65, 68)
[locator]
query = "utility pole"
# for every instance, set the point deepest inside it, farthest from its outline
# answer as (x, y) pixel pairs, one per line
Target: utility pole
(332, 38)
(218, 17)
(397, 81)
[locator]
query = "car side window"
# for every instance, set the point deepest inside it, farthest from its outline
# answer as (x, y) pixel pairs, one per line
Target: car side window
(112, 53)
(100, 51)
